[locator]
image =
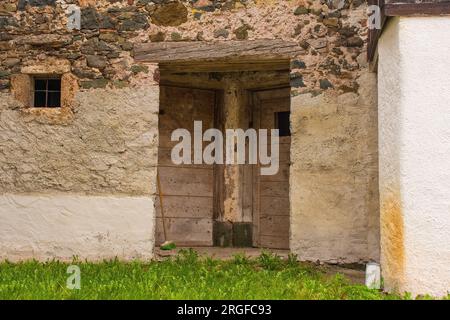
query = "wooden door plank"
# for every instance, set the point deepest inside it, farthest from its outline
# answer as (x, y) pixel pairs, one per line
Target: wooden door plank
(185, 232)
(186, 181)
(275, 189)
(274, 242)
(185, 207)
(274, 206)
(273, 225)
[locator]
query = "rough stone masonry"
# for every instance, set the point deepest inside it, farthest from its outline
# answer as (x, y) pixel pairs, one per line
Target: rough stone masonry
(80, 180)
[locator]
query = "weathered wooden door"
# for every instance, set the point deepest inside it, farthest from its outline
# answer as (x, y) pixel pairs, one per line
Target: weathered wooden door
(187, 189)
(271, 192)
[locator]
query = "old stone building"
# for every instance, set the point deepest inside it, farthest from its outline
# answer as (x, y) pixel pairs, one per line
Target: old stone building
(87, 112)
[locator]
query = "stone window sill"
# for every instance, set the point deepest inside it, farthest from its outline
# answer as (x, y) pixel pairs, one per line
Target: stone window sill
(54, 116)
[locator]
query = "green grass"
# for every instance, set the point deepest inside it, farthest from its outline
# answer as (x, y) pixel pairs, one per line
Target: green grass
(185, 276)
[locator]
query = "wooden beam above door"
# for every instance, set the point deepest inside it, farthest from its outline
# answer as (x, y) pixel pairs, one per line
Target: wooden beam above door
(219, 55)
(248, 80)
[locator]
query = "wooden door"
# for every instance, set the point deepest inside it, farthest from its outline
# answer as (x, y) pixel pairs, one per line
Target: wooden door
(187, 189)
(271, 193)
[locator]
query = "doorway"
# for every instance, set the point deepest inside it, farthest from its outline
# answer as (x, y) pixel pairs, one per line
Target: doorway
(194, 194)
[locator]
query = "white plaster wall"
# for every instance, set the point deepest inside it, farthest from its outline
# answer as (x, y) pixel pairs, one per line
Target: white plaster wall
(414, 135)
(60, 227)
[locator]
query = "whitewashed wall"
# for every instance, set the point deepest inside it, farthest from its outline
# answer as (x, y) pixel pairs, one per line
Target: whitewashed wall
(47, 227)
(414, 135)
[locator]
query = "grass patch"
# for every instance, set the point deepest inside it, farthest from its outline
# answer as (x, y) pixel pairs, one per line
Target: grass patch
(186, 276)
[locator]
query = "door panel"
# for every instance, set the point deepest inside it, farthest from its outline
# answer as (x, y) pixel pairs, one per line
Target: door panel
(271, 216)
(187, 189)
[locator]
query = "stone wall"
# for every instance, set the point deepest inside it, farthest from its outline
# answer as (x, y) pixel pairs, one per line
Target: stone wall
(101, 53)
(106, 144)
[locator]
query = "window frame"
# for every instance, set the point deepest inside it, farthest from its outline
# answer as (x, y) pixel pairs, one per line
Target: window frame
(277, 122)
(47, 91)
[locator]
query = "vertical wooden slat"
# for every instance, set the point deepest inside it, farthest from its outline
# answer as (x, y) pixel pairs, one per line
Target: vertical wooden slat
(256, 177)
(218, 168)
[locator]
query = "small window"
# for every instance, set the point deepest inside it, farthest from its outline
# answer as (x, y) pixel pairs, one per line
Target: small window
(282, 123)
(47, 92)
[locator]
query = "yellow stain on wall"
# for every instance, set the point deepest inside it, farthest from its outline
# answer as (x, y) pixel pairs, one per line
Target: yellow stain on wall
(392, 239)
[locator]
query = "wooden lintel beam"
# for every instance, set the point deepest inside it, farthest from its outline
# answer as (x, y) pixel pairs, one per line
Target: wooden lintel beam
(166, 52)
